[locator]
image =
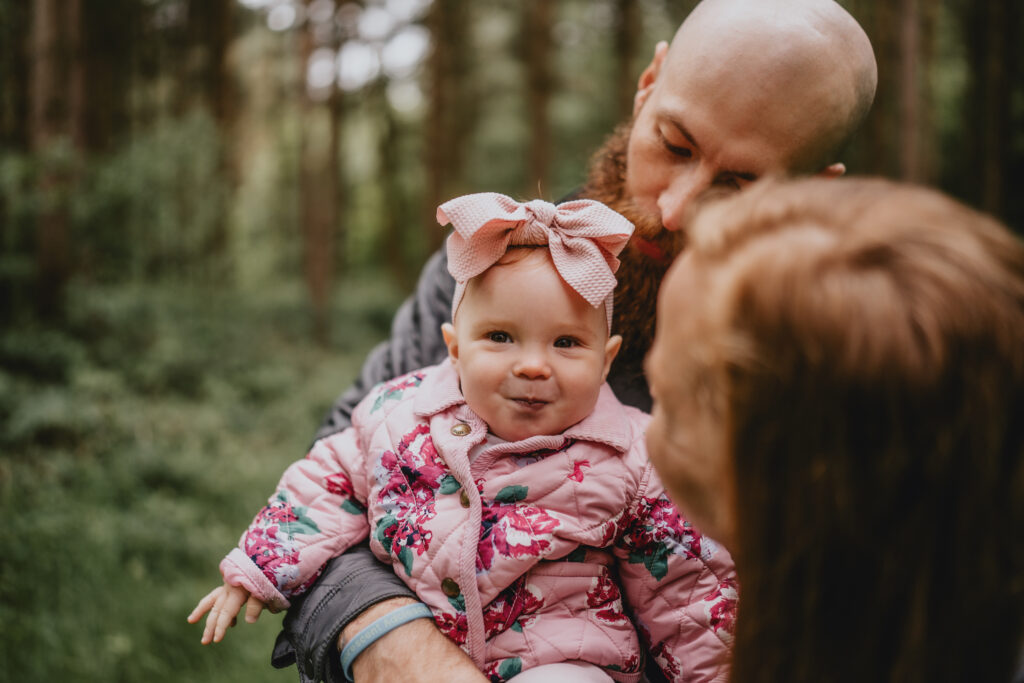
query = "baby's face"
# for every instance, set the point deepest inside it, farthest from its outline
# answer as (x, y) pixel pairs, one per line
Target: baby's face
(530, 352)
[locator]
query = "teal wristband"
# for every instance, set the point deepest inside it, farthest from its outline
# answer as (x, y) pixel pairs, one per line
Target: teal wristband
(374, 631)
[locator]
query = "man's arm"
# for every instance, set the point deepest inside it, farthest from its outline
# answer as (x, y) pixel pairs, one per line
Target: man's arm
(354, 582)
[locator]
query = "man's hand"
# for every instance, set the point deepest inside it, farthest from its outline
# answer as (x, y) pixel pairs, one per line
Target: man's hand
(223, 603)
(415, 652)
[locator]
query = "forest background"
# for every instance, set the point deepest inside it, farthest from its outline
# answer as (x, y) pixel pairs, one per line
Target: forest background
(209, 210)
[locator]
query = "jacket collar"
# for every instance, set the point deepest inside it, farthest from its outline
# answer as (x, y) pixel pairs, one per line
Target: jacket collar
(607, 424)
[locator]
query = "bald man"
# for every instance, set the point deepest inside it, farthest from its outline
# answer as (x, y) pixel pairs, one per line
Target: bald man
(747, 88)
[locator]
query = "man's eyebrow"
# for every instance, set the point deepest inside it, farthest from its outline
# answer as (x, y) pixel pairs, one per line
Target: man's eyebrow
(684, 131)
(681, 127)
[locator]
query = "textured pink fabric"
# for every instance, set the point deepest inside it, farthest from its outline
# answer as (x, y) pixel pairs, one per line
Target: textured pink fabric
(552, 543)
(584, 237)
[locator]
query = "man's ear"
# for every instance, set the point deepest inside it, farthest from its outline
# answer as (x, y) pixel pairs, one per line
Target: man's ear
(450, 340)
(833, 170)
(649, 76)
(611, 349)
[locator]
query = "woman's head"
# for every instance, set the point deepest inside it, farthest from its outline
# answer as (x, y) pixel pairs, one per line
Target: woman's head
(849, 357)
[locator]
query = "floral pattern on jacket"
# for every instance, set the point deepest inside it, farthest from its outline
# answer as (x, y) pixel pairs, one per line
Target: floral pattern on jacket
(527, 555)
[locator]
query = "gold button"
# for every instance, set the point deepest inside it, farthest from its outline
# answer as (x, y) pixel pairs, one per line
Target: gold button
(450, 588)
(461, 429)
(464, 498)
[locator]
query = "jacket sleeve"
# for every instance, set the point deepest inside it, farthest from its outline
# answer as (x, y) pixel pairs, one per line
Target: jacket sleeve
(317, 512)
(681, 587)
(415, 341)
(355, 581)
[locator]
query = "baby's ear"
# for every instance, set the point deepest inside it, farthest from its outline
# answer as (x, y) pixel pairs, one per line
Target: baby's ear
(450, 340)
(611, 349)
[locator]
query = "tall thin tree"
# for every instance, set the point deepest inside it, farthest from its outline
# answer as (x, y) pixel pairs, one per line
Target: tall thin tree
(318, 184)
(49, 121)
(450, 110)
(627, 37)
(537, 48)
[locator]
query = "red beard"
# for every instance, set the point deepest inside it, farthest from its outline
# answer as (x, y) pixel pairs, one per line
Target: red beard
(645, 259)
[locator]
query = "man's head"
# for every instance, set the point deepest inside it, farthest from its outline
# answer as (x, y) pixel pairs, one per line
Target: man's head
(747, 88)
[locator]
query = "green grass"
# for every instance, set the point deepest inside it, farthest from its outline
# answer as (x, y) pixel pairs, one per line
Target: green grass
(135, 445)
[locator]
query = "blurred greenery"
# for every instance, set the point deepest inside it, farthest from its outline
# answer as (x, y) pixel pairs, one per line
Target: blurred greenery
(209, 210)
(136, 444)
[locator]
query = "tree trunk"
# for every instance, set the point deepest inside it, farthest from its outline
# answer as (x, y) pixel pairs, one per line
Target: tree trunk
(210, 30)
(336, 194)
(536, 39)
(49, 123)
(317, 185)
(450, 115)
(989, 28)
(393, 254)
(14, 138)
(14, 72)
(996, 107)
(910, 96)
(882, 126)
(627, 34)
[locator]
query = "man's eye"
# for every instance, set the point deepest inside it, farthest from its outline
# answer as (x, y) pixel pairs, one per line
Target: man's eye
(565, 343)
(499, 337)
(681, 152)
(676, 150)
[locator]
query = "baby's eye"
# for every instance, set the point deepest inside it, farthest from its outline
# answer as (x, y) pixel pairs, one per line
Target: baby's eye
(499, 337)
(566, 342)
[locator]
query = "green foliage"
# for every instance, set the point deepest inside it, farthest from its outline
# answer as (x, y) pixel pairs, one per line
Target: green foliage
(158, 204)
(135, 445)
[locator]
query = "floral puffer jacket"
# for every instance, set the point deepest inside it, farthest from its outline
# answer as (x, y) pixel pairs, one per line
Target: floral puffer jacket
(537, 551)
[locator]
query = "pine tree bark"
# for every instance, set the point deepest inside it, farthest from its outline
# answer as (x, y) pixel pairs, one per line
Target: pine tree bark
(317, 195)
(991, 50)
(882, 126)
(49, 124)
(536, 39)
(450, 111)
(627, 34)
(393, 254)
(910, 96)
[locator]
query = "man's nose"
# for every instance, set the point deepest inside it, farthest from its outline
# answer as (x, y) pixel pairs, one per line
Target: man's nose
(532, 364)
(679, 195)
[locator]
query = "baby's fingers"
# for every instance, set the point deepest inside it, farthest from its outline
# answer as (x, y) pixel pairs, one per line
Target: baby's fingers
(224, 612)
(253, 608)
(204, 605)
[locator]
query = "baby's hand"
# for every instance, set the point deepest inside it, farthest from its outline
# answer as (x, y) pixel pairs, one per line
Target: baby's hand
(223, 603)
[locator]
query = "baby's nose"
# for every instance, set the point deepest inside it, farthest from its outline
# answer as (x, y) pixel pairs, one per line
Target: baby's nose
(532, 366)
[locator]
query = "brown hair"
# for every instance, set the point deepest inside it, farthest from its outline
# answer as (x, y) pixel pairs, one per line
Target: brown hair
(872, 371)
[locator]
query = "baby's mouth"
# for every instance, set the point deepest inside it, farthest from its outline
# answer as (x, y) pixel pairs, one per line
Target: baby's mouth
(530, 403)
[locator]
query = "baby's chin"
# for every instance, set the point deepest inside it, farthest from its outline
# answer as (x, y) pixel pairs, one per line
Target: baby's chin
(510, 433)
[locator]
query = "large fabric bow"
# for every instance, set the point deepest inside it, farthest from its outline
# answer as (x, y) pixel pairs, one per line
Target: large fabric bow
(584, 237)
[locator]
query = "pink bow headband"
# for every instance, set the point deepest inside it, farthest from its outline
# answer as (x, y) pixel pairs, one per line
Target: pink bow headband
(584, 237)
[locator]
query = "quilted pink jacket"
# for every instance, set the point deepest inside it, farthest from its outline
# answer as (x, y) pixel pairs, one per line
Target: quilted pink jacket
(538, 551)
